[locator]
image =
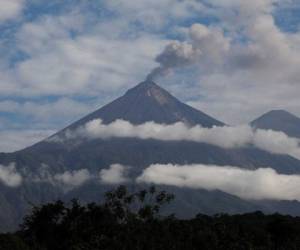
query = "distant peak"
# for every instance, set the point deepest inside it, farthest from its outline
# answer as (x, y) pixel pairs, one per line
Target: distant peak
(279, 120)
(278, 112)
(275, 116)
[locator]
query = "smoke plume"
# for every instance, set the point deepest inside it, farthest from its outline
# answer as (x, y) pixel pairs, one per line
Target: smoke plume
(205, 45)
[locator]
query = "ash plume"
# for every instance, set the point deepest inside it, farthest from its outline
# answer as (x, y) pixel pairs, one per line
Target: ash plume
(204, 45)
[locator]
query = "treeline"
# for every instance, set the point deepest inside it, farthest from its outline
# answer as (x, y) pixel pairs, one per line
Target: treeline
(132, 221)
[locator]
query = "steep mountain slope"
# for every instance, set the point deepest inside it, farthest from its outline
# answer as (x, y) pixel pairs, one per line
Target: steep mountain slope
(279, 120)
(149, 102)
(145, 102)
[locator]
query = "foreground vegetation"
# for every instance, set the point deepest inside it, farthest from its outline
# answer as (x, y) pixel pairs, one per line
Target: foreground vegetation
(133, 221)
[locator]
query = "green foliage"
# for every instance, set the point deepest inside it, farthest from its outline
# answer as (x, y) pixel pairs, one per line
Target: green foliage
(131, 221)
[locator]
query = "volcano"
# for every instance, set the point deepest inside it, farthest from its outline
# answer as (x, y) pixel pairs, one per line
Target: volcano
(145, 102)
(149, 102)
(279, 120)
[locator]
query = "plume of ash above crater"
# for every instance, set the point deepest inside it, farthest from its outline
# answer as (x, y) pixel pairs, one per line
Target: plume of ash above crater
(204, 46)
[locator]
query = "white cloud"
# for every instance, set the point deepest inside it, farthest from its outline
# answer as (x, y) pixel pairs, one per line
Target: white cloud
(66, 180)
(226, 137)
(263, 183)
(91, 64)
(10, 9)
(71, 179)
(9, 176)
(277, 142)
(13, 140)
(65, 55)
(156, 14)
(115, 174)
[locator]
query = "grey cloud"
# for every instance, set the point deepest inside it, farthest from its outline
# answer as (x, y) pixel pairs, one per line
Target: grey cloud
(175, 55)
(206, 45)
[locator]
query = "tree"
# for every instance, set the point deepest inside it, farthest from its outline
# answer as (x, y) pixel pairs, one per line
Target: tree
(58, 225)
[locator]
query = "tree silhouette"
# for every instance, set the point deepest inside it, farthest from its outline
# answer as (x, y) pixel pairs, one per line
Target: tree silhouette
(132, 221)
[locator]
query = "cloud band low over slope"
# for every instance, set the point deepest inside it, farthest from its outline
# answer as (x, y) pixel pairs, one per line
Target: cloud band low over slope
(225, 137)
(259, 184)
(263, 183)
(114, 175)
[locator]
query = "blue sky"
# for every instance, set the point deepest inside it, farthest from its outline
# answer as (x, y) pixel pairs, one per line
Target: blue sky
(63, 59)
